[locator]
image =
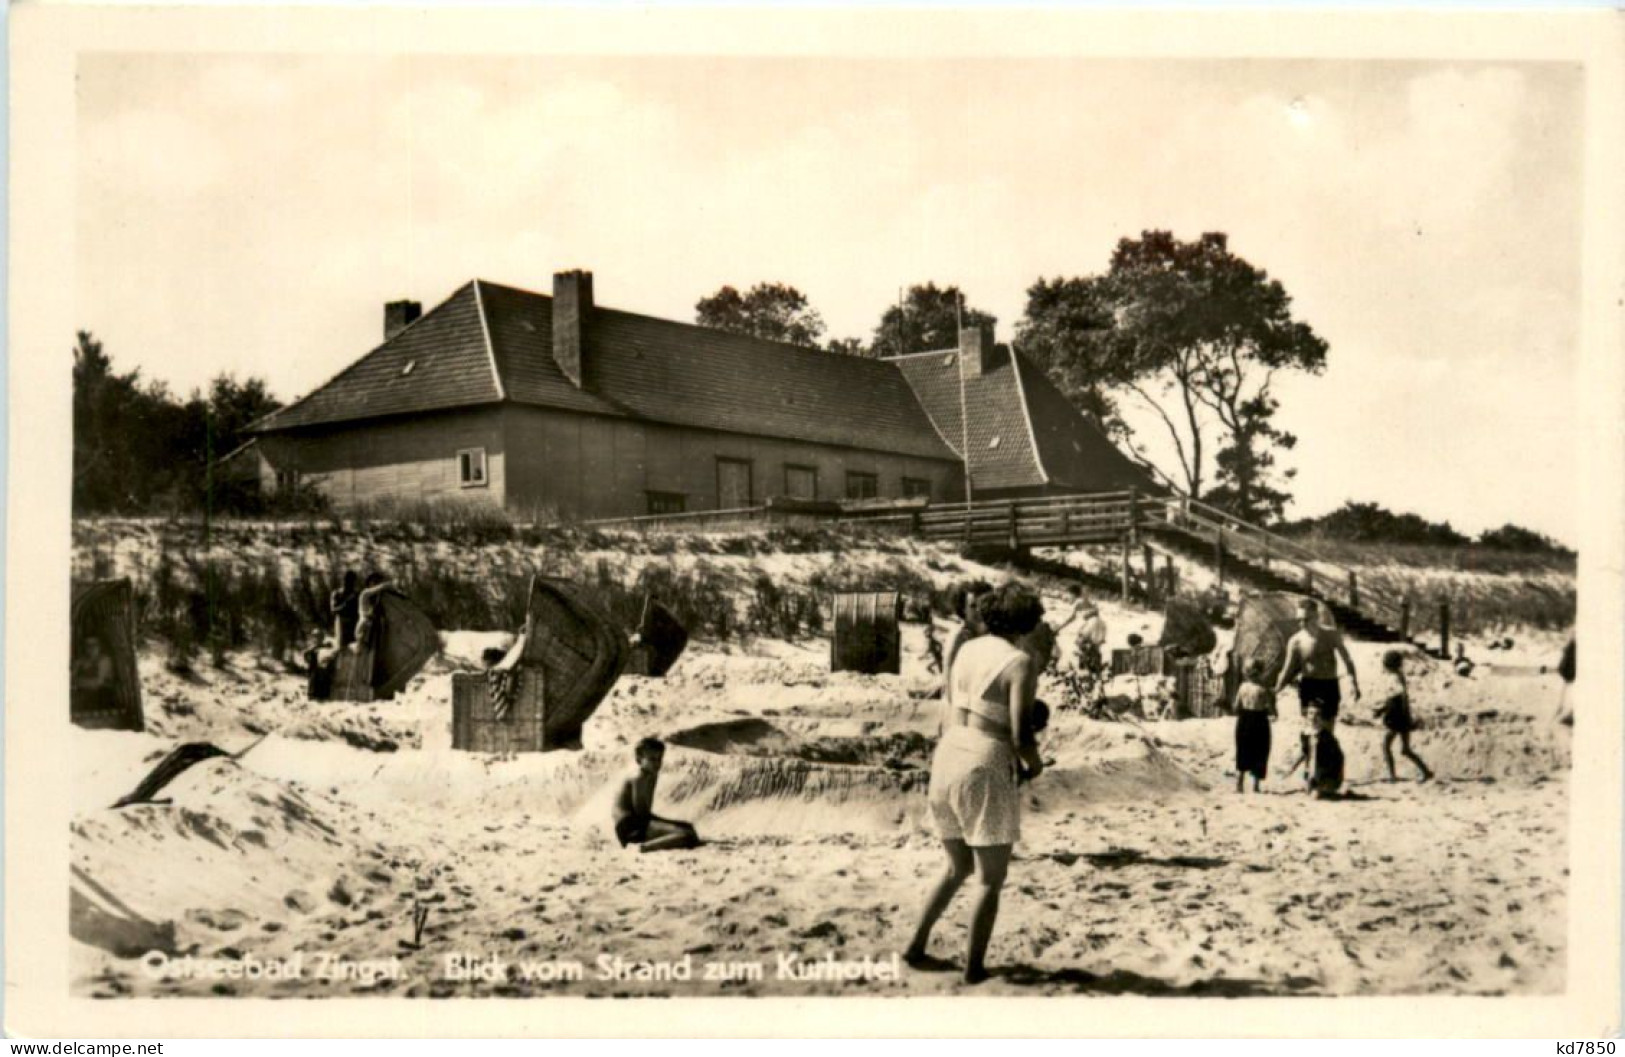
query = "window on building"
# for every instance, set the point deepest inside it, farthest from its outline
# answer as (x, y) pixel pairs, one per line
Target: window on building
(471, 467)
(862, 485)
(733, 484)
(916, 486)
(800, 482)
(665, 502)
(287, 480)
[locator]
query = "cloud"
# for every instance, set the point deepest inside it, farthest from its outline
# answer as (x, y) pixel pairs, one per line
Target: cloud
(152, 153)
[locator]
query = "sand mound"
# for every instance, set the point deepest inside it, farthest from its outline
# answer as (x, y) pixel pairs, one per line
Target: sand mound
(230, 846)
(247, 697)
(898, 750)
(1110, 761)
(1489, 747)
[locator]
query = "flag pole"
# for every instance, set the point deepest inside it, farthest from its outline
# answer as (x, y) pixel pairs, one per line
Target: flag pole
(964, 415)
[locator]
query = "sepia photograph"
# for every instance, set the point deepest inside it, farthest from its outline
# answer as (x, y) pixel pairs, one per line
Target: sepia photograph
(582, 516)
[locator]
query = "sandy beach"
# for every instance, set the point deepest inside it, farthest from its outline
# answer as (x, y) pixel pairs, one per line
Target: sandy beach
(306, 868)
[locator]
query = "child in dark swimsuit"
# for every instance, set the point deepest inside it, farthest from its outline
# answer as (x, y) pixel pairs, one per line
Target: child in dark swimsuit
(1397, 719)
(1325, 757)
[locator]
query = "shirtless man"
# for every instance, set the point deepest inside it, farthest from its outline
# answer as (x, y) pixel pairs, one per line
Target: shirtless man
(1311, 658)
(635, 820)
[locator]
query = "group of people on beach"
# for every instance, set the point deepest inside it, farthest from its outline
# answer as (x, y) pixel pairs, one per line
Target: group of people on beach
(991, 717)
(1312, 656)
(987, 748)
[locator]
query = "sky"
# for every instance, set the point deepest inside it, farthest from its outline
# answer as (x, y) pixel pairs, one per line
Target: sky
(251, 214)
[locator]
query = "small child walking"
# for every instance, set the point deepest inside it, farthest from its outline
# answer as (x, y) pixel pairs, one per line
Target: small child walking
(1398, 721)
(1255, 708)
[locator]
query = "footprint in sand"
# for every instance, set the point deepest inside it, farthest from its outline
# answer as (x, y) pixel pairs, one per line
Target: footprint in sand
(340, 893)
(299, 900)
(228, 920)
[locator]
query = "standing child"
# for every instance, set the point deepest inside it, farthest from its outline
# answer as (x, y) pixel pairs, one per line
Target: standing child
(1397, 720)
(1255, 708)
(933, 646)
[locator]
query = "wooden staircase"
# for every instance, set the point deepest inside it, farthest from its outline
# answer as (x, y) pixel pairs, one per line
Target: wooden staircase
(1233, 548)
(1261, 577)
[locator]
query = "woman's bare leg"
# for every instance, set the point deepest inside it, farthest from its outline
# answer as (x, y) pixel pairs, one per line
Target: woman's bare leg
(991, 864)
(1388, 754)
(942, 893)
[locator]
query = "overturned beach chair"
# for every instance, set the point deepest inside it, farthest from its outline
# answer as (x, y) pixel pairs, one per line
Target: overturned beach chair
(541, 694)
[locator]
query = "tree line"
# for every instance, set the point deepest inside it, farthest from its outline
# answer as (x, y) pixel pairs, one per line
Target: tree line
(139, 449)
(1373, 523)
(1187, 331)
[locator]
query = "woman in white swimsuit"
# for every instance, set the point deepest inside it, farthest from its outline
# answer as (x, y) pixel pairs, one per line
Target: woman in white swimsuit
(987, 747)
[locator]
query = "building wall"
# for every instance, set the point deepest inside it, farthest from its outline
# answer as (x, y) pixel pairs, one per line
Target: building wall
(594, 467)
(407, 460)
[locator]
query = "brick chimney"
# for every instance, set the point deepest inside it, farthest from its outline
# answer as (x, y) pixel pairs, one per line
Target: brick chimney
(398, 315)
(977, 352)
(572, 305)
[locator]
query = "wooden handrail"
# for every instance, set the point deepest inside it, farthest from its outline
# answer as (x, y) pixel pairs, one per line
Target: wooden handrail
(691, 517)
(1099, 515)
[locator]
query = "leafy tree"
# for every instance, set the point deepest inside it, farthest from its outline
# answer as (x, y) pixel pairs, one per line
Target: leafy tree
(116, 424)
(928, 319)
(848, 347)
(774, 311)
(1192, 327)
(1066, 330)
(138, 449)
(232, 407)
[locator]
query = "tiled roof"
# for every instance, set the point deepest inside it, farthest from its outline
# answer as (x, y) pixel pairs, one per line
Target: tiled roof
(1072, 449)
(1001, 450)
(1023, 432)
(657, 370)
(440, 361)
(521, 326)
(638, 367)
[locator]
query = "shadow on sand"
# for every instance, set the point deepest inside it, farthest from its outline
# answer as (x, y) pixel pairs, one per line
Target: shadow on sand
(112, 926)
(1116, 857)
(1124, 982)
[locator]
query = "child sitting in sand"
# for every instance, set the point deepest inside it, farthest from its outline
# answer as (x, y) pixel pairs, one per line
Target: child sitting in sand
(635, 820)
(1255, 708)
(1397, 720)
(1325, 756)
